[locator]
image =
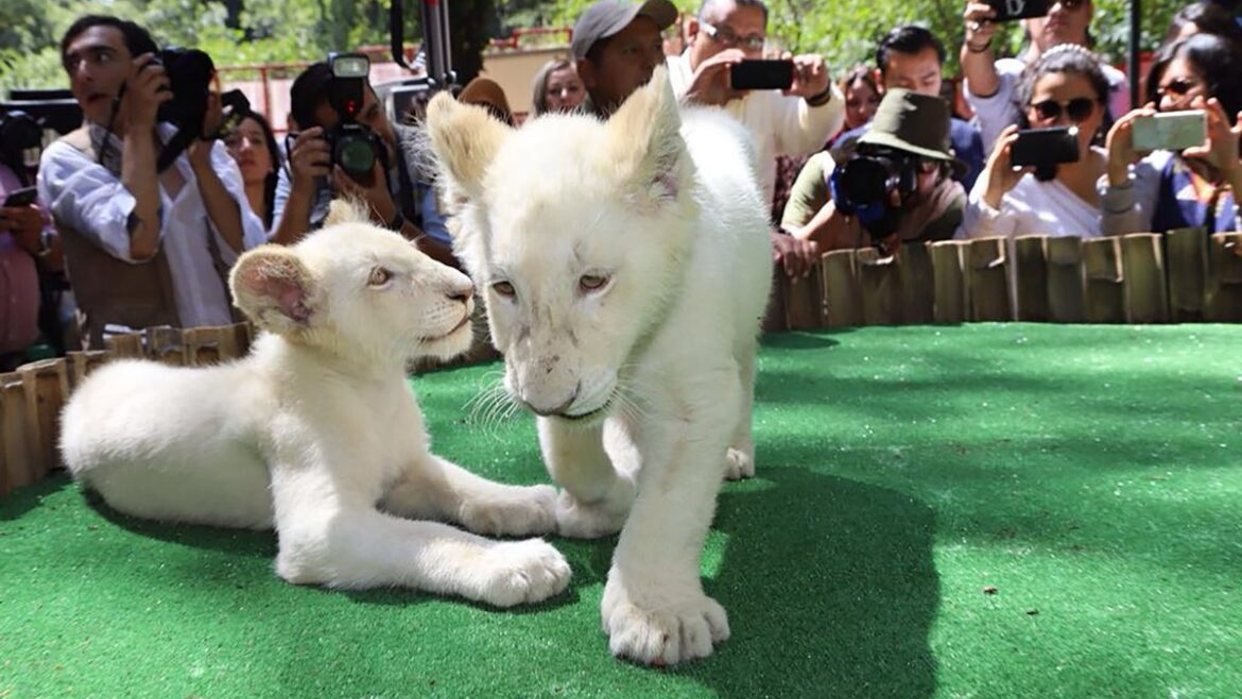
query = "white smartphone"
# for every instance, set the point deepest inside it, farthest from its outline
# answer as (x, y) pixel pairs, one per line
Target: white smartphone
(1170, 131)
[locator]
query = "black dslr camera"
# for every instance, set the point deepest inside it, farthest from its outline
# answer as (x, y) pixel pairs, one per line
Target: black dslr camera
(864, 183)
(190, 72)
(354, 146)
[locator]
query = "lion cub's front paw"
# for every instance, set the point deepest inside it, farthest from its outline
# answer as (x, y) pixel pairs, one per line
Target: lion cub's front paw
(671, 632)
(739, 464)
(522, 571)
(512, 511)
(598, 519)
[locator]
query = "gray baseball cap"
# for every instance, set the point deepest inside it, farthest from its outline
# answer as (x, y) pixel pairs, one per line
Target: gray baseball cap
(607, 17)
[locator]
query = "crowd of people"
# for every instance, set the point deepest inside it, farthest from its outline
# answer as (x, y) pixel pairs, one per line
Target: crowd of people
(124, 233)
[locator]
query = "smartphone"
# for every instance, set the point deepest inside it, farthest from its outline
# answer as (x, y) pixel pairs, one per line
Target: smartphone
(1035, 147)
(1009, 10)
(761, 75)
(21, 197)
(1171, 131)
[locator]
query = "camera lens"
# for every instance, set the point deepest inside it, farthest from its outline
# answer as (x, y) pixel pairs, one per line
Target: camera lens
(355, 154)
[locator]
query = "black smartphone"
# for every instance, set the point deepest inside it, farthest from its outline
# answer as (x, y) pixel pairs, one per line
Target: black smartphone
(761, 75)
(1035, 147)
(1009, 10)
(21, 197)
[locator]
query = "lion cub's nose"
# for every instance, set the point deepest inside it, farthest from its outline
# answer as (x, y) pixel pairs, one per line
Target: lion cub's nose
(461, 292)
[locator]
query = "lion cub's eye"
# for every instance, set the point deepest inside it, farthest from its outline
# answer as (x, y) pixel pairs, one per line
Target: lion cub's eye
(592, 282)
(379, 276)
(505, 289)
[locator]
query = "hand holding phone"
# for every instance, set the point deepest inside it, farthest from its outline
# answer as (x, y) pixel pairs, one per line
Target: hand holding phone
(1170, 131)
(21, 197)
(1009, 10)
(765, 74)
(1036, 147)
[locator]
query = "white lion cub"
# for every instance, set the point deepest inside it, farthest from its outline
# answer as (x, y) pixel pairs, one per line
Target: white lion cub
(626, 266)
(317, 433)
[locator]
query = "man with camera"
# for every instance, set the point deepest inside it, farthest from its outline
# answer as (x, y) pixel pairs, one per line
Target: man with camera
(346, 145)
(789, 105)
(143, 245)
(894, 186)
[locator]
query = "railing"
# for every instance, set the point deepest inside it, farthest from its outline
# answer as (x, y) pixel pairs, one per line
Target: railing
(31, 397)
(1182, 276)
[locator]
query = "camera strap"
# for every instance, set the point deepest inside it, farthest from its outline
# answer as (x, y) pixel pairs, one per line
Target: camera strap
(405, 191)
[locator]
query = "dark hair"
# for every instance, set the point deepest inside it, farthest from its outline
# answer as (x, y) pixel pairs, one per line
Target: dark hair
(907, 39)
(1217, 59)
(308, 91)
(857, 73)
(740, 3)
(277, 157)
(1208, 17)
(137, 39)
(1072, 59)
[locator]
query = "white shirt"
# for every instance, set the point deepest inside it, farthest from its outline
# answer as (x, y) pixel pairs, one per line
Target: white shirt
(1031, 208)
(779, 124)
(87, 197)
(996, 112)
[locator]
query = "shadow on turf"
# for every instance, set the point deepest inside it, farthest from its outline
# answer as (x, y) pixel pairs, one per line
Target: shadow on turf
(830, 587)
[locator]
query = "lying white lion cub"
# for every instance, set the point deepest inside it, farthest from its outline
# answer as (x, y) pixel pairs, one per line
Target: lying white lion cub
(626, 267)
(317, 432)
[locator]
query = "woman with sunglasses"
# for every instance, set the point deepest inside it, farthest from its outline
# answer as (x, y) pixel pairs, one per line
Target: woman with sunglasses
(1064, 88)
(1195, 187)
(991, 84)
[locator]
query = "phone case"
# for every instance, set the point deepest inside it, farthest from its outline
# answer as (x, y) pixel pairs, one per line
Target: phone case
(761, 75)
(1008, 10)
(21, 197)
(1058, 144)
(1172, 131)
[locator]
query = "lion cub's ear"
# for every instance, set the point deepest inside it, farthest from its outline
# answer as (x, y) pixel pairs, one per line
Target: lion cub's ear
(644, 140)
(346, 210)
(274, 288)
(464, 138)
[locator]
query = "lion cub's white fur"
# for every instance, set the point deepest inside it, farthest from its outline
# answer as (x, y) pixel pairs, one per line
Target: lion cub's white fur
(626, 267)
(317, 433)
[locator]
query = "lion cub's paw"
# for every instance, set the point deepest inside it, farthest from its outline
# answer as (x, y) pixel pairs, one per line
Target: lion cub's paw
(512, 511)
(671, 632)
(739, 464)
(522, 571)
(598, 519)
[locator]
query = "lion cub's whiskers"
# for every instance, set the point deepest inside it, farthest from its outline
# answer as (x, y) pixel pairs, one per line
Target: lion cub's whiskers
(491, 406)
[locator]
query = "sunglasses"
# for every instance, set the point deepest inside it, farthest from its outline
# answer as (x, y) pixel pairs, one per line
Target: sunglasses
(1078, 109)
(1072, 5)
(1179, 86)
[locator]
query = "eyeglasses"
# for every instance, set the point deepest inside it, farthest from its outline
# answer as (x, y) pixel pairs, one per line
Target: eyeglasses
(1078, 109)
(726, 37)
(1179, 86)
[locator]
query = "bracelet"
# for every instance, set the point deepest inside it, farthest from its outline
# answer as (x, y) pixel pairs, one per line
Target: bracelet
(985, 47)
(822, 98)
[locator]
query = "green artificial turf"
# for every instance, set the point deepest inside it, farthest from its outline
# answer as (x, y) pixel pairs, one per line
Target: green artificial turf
(974, 511)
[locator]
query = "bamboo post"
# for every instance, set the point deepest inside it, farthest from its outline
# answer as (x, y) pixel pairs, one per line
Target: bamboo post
(1031, 266)
(841, 291)
(82, 363)
(774, 319)
(46, 387)
(918, 287)
(212, 345)
(988, 280)
(1101, 261)
(879, 281)
(124, 345)
(1223, 301)
(1145, 287)
(804, 307)
(166, 345)
(1065, 279)
(15, 451)
(951, 297)
(1187, 265)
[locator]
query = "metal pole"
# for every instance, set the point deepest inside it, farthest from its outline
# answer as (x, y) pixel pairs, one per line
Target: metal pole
(1132, 66)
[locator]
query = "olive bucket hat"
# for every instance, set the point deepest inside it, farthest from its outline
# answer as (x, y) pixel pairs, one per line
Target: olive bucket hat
(914, 123)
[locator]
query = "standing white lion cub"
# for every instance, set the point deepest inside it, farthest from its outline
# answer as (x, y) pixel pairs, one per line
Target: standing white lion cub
(626, 266)
(317, 431)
